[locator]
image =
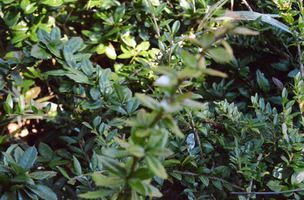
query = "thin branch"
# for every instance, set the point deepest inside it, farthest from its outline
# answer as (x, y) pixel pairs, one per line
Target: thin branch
(154, 19)
(194, 130)
(83, 175)
(267, 193)
(251, 181)
(210, 177)
(300, 57)
(131, 76)
(249, 8)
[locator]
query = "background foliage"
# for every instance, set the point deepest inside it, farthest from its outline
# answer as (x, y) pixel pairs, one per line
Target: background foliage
(151, 99)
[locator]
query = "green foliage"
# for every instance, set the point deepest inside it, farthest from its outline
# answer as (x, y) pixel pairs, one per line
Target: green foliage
(151, 99)
(17, 182)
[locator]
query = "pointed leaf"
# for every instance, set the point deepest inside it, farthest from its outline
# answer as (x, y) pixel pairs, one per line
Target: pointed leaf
(97, 194)
(28, 158)
(77, 166)
(43, 192)
(112, 166)
(155, 166)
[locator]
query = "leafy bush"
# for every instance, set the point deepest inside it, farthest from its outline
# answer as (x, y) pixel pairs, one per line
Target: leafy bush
(137, 99)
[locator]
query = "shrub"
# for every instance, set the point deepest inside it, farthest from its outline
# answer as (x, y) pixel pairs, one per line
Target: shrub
(122, 113)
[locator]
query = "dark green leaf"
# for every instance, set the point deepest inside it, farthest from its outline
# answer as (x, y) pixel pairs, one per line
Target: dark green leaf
(262, 81)
(11, 18)
(45, 151)
(94, 92)
(54, 50)
(75, 44)
(77, 166)
(69, 57)
(55, 36)
(43, 36)
(40, 53)
(43, 192)
(16, 76)
(28, 158)
(87, 67)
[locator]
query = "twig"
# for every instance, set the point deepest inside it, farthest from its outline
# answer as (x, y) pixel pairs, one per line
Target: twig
(249, 8)
(210, 177)
(194, 130)
(83, 175)
(251, 181)
(232, 4)
(262, 9)
(267, 193)
(154, 19)
(131, 76)
(300, 57)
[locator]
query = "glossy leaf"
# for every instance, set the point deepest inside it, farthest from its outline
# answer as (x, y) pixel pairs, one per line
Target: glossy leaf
(262, 81)
(43, 192)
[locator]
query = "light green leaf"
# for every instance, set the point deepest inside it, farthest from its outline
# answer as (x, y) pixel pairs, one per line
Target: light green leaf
(63, 172)
(175, 27)
(129, 41)
(137, 151)
(108, 181)
(148, 101)
(40, 175)
(110, 52)
(162, 152)
(144, 46)
(220, 54)
(137, 185)
(172, 124)
(275, 185)
(112, 166)
(160, 8)
(97, 194)
(214, 72)
(155, 166)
